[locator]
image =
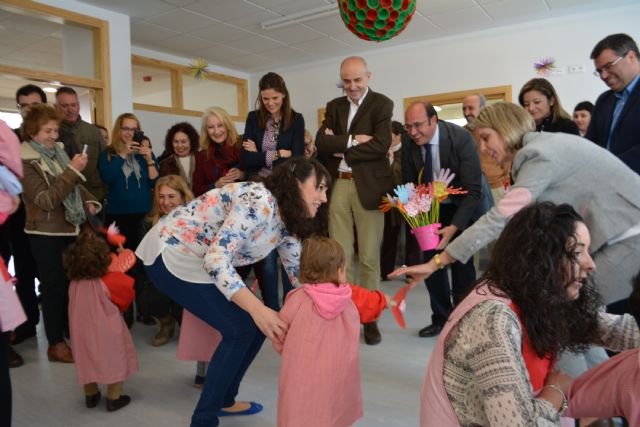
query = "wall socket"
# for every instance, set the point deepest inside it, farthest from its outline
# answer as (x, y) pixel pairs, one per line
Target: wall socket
(575, 69)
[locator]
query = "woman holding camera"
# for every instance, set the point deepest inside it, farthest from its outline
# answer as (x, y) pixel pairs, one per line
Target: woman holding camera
(129, 169)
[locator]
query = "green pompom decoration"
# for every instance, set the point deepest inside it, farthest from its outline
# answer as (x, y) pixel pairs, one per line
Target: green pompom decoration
(376, 20)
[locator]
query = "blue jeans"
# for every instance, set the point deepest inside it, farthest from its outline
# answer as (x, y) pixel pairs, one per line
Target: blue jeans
(241, 339)
(267, 274)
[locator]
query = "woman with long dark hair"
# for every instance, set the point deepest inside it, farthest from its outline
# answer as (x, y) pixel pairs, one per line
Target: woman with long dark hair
(180, 148)
(273, 132)
(192, 255)
(493, 363)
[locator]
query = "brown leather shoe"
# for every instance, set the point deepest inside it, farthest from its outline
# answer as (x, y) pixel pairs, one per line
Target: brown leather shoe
(167, 328)
(60, 353)
(372, 333)
(15, 360)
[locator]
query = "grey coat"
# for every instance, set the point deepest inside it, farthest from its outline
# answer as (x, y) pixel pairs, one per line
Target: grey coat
(564, 168)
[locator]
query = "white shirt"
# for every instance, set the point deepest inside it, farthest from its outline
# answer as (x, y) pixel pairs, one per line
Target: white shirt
(353, 109)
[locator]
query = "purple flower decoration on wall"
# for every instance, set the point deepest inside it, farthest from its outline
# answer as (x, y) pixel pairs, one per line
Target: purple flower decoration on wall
(544, 66)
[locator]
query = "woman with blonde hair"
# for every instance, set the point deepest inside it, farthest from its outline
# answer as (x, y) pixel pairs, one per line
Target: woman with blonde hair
(129, 169)
(219, 161)
(560, 168)
(539, 98)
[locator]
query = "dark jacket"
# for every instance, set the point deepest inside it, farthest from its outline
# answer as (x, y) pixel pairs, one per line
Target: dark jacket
(625, 140)
(458, 153)
(368, 161)
(561, 125)
(289, 139)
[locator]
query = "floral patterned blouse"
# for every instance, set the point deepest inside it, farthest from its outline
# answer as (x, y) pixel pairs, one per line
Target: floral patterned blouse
(236, 225)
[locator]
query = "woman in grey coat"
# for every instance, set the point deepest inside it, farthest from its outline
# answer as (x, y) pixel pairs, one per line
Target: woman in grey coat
(560, 168)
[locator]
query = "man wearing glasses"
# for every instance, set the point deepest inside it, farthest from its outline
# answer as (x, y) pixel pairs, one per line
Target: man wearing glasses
(438, 145)
(615, 123)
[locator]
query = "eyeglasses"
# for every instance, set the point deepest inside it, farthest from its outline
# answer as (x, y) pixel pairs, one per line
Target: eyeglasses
(606, 67)
(416, 125)
(22, 106)
(124, 129)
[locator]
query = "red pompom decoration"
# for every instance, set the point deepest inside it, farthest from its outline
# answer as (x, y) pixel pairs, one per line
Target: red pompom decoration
(376, 20)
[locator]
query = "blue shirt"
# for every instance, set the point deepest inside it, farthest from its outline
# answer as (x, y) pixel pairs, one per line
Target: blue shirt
(622, 100)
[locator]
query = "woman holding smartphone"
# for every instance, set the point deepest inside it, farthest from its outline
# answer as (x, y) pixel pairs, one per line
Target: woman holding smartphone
(129, 169)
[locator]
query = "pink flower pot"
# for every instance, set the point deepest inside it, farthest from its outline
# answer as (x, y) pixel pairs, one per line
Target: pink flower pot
(427, 236)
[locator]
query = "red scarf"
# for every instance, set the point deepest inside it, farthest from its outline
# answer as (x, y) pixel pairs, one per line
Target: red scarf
(537, 367)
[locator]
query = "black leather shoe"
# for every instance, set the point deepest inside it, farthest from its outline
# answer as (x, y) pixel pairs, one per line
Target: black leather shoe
(92, 401)
(23, 333)
(15, 360)
(115, 404)
(430, 331)
(372, 334)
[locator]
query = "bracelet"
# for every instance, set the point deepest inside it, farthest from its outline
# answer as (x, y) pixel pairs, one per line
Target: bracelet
(565, 402)
(150, 164)
(438, 261)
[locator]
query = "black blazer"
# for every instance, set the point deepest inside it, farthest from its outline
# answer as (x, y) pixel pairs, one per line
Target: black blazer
(625, 140)
(458, 152)
(291, 139)
(368, 161)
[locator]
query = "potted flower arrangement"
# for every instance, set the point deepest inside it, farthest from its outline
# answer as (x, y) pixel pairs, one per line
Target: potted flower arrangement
(419, 205)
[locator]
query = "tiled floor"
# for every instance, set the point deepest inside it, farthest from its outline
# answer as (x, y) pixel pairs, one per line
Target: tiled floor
(46, 394)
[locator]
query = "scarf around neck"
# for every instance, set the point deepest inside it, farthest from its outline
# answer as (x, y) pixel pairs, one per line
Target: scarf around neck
(73, 206)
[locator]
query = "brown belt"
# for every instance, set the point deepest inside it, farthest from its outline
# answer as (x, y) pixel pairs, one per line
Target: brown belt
(345, 175)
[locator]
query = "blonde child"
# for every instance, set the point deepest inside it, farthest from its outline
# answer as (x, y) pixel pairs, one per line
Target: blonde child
(320, 373)
(102, 346)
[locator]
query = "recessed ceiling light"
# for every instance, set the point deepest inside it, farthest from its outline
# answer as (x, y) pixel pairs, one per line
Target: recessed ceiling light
(50, 89)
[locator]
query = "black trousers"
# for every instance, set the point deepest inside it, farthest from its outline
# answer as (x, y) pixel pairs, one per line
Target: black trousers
(5, 382)
(131, 226)
(444, 296)
(14, 242)
(54, 286)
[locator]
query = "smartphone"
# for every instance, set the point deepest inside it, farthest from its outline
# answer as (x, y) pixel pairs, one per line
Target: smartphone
(138, 136)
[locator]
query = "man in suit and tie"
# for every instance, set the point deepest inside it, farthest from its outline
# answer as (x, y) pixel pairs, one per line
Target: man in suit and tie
(436, 145)
(352, 143)
(615, 122)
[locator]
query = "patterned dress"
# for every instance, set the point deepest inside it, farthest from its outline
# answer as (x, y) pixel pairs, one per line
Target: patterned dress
(485, 377)
(236, 225)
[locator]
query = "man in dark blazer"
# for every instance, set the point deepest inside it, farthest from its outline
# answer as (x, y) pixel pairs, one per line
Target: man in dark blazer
(352, 143)
(452, 147)
(615, 122)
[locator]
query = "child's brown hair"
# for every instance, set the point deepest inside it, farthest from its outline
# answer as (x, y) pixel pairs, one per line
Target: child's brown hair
(87, 258)
(320, 260)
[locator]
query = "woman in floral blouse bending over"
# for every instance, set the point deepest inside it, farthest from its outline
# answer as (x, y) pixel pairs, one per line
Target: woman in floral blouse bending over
(225, 228)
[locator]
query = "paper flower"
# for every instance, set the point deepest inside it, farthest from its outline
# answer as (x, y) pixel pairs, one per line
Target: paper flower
(376, 20)
(199, 68)
(419, 205)
(544, 66)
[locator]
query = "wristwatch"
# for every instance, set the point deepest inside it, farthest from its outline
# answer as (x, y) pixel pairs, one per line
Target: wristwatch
(276, 156)
(354, 141)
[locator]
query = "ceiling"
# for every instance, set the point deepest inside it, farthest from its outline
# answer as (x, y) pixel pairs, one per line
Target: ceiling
(229, 33)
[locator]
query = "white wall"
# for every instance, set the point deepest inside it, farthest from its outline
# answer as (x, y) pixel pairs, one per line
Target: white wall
(120, 50)
(482, 59)
(155, 125)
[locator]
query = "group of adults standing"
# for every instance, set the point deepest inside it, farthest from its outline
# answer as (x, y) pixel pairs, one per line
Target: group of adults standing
(250, 223)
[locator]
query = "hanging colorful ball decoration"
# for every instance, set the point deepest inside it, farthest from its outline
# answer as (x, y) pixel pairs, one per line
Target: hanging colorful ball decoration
(376, 20)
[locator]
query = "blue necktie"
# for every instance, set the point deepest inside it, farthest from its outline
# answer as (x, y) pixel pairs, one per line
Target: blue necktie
(622, 99)
(427, 172)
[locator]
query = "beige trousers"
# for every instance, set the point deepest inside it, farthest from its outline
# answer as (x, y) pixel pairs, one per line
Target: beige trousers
(345, 211)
